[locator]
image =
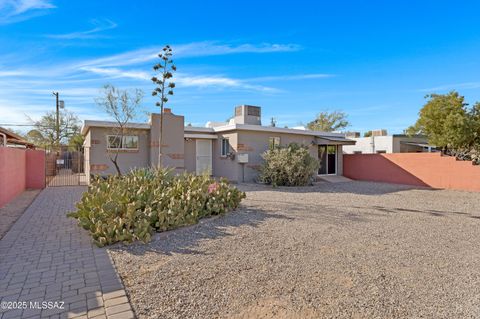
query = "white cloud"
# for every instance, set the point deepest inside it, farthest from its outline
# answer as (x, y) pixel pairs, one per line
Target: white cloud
(181, 79)
(11, 73)
(291, 77)
(19, 10)
(449, 87)
(219, 81)
(99, 26)
(118, 73)
(212, 48)
(196, 49)
(28, 88)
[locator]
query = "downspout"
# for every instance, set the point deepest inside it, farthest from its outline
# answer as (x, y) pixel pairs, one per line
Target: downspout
(4, 139)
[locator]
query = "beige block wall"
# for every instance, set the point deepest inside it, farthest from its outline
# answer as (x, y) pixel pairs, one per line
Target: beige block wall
(173, 141)
(99, 156)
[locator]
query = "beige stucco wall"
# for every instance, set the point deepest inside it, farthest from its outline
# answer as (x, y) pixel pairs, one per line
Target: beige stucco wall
(173, 141)
(180, 153)
(387, 144)
(190, 155)
(339, 160)
(255, 143)
(224, 166)
(99, 157)
(369, 145)
(86, 156)
(86, 160)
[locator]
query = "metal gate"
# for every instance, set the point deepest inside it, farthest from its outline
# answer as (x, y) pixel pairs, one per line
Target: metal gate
(64, 167)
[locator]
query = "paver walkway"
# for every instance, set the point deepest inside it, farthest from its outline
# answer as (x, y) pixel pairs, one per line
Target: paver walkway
(15, 208)
(47, 257)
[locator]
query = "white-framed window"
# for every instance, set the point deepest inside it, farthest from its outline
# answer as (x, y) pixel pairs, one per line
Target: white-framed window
(225, 147)
(128, 142)
(273, 142)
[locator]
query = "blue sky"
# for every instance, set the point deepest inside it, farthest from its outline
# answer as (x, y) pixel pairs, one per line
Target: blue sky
(374, 60)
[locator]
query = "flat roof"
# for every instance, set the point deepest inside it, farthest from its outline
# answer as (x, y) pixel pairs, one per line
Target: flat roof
(260, 128)
(198, 129)
(417, 144)
(338, 140)
(224, 128)
(91, 123)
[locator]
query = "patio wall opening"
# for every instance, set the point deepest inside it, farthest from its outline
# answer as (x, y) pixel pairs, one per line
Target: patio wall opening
(20, 169)
(418, 169)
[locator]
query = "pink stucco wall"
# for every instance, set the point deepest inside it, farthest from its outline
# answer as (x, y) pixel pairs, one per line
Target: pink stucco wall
(35, 167)
(419, 169)
(20, 169)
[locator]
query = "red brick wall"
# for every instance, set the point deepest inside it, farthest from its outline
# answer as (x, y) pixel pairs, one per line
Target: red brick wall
(418, 169)
(20, 169)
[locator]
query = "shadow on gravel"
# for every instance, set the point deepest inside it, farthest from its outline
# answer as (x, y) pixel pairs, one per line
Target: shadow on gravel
(185, 240)
(353, 187)
(431, 212)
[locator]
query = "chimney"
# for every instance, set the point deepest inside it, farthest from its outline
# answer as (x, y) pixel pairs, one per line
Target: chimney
(380, 132)
(167, 110)
(248, 114)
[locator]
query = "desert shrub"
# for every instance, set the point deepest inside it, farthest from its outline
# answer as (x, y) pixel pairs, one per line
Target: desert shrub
(288, 166)
(465, 154)
(131, 207)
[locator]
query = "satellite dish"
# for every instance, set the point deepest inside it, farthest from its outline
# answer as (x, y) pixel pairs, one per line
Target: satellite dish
(61, 104)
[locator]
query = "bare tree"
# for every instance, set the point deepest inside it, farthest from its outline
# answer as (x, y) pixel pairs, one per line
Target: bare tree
(165, 69)
(121, 105)
(45, 132)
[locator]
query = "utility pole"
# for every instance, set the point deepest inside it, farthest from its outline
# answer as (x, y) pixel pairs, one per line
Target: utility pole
(57, 121)
(60, 105)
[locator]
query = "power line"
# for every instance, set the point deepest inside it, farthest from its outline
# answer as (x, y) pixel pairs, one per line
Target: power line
(22, 124)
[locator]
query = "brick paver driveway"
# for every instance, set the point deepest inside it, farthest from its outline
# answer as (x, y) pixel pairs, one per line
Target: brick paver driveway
(46, 257)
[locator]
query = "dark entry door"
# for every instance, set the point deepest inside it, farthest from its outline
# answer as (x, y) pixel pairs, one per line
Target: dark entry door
(327, 155)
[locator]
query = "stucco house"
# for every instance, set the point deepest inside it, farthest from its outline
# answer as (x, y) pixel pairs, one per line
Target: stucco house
(381, 142)
(225, 149)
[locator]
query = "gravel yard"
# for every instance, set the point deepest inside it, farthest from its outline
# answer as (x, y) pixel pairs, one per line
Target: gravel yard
(343, 250)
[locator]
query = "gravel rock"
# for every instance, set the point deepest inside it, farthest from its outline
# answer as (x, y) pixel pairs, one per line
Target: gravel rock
(334, 250)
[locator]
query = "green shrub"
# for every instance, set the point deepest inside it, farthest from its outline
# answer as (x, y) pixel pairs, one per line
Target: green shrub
(131, 207)
(288, 166)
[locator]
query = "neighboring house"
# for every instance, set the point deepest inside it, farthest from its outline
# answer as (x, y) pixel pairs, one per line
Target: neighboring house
(380, 142)
(10, 139)
(225, 149)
